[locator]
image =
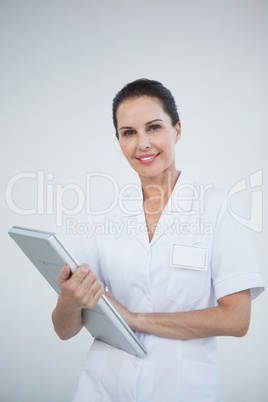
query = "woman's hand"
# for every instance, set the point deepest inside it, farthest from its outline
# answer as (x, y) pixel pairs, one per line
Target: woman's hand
(80, 290)
(231, 317)
(127, 315)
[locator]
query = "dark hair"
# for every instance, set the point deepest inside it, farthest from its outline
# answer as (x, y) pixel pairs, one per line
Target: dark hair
(146, 87)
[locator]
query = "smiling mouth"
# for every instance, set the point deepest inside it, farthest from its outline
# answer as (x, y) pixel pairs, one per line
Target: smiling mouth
(147, 157)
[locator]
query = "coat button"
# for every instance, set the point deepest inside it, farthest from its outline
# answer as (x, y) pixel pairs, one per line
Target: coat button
(136, 362)
(145, 289)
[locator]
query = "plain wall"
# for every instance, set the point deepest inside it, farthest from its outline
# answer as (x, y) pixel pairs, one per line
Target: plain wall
(61, 64)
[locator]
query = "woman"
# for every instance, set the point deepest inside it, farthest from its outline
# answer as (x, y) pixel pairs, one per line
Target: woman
(177, 285)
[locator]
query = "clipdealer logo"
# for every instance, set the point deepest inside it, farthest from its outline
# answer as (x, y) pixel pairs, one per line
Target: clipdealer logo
(52, 198)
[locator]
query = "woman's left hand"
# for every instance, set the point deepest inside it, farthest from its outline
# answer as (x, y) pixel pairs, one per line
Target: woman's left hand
(127, 315)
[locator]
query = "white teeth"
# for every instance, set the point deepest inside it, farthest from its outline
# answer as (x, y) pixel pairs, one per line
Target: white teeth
(146, 159)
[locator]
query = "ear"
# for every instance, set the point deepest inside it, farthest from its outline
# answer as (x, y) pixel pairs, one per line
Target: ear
(178, 131)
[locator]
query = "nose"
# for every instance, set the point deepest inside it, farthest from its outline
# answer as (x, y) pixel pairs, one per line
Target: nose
(143, 141)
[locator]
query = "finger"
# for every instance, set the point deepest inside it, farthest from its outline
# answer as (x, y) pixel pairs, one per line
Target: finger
(89, 285)
(87, 281)
(96, 291)
(79, 285)
(64, 274)
(81, 273)
(86, 294)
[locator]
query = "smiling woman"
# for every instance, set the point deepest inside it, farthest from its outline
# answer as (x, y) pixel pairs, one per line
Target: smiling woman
(148, 147)
(178, 290)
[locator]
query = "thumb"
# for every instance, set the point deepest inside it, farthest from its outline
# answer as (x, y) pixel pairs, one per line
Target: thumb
(64, 274)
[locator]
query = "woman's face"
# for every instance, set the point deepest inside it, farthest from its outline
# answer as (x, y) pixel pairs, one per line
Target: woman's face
(146, 136)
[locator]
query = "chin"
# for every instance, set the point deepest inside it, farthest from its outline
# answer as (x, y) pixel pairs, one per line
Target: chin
(150, 174)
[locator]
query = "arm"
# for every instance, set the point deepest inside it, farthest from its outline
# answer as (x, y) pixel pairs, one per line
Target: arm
(231, 317)
(80, 290)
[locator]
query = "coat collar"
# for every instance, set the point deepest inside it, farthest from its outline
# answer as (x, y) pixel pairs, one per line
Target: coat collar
(178, 207)
(182, 196)
(180, 201)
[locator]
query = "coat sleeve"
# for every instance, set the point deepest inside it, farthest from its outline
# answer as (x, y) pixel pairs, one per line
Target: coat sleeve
(233, 263)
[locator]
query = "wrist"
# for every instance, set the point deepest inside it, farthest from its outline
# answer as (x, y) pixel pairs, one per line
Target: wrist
(66, 305)
(136, 322)
(67, 321)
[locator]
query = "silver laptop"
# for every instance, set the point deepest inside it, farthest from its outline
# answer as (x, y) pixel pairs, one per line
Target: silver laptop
(48, 254)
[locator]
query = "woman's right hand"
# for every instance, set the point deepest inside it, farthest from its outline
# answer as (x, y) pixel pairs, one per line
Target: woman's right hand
(80, 290)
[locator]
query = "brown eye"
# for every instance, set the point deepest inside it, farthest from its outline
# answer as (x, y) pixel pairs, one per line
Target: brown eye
(154, 127)
(128, 133)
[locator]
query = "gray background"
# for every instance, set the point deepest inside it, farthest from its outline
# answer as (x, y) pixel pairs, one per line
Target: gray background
(61, 63)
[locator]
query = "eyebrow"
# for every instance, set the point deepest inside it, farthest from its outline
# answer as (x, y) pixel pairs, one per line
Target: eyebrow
(147, 124)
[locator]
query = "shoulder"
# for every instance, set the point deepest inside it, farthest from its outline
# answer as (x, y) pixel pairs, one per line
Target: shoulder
(211, 202)
(204, 194)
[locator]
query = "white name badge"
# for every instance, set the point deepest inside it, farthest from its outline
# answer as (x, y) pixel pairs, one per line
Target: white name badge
(189, 256)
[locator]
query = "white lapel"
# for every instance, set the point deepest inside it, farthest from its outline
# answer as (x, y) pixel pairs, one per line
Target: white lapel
(179, 206)
(133, 215)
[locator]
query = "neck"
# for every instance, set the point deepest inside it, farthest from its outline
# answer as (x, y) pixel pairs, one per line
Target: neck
(159, 187)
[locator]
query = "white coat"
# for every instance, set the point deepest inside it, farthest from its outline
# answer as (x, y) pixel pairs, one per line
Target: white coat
(162, 276)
